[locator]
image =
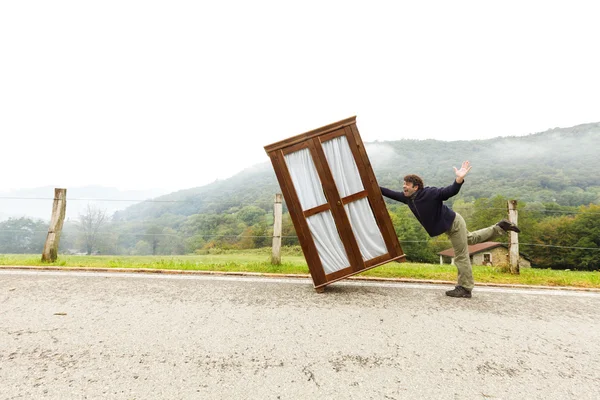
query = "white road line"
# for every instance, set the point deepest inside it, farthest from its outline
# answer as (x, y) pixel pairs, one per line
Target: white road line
(300, 281)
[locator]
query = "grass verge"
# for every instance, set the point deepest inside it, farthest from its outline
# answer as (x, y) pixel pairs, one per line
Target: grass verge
(294, 263)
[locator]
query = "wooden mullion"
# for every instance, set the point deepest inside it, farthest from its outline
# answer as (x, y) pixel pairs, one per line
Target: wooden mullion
(370, 183)
(307, 242)
(354, 197)
(315, 210)
(337, 208)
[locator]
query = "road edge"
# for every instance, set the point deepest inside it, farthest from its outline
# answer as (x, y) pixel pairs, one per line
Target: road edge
(273, 275)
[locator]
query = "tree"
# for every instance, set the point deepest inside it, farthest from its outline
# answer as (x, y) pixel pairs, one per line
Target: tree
(586, 230)
(22, 235)
(554, 234)
(570, 241)
(142, 248)
(153, 237)
(251, 215)
(288, 232)
(171, 242)
(89, 226)
(488, 212)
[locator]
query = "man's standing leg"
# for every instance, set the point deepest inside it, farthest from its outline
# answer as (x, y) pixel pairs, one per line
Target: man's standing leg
(459, 237)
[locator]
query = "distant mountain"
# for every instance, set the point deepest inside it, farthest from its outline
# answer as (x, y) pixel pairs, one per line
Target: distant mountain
(37, 202)
(256, 185)
(560, 165)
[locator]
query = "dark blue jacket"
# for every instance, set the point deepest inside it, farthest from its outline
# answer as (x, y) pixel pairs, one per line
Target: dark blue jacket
(428, 206)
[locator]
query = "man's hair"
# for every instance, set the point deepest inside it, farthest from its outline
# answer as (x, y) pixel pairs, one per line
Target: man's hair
(415, 180)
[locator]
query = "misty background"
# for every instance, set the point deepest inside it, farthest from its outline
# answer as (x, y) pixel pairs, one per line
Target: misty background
(559, 165)
(34, 202)
(552, 174)
(173, 102)
(138, 95)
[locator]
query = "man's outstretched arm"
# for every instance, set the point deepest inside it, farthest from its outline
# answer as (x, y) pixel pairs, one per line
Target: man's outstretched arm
(398, 196)
(452, 190)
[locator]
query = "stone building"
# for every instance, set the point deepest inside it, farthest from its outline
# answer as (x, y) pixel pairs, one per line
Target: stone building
(486, 253)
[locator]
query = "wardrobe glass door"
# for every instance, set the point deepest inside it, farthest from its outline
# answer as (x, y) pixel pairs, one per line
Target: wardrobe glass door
(354, 197)
(316, 210)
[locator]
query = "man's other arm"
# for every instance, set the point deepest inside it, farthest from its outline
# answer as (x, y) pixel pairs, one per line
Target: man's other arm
(398, 196)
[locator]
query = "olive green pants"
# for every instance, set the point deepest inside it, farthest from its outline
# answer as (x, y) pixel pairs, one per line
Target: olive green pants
(461, 239)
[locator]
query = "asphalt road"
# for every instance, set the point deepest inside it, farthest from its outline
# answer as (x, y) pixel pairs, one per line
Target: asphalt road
(143, 336)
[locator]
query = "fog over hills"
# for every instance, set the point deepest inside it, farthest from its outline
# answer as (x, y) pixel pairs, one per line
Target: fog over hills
(37, 202)
(559, 165)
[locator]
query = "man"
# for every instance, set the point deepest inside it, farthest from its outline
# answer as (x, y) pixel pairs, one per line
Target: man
(427, 205)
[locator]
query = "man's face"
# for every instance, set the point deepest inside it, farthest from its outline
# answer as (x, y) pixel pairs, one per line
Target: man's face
(409, 189)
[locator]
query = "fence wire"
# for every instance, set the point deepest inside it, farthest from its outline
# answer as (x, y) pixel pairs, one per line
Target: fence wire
(270, 237)
(268, 202)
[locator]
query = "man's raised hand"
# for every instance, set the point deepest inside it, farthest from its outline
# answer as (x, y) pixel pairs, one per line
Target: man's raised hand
(464, 170)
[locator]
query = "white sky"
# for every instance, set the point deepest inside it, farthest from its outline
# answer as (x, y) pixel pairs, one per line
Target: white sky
(175, 94)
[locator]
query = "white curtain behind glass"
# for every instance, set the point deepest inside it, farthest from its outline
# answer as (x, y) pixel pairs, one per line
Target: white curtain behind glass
(347, 179)
(342, 165)
(322, 226)
(327, 239)
(306, 179)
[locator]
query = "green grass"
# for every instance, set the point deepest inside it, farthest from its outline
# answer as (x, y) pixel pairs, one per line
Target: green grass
(483, 274)
(226, 261)
(293, 262)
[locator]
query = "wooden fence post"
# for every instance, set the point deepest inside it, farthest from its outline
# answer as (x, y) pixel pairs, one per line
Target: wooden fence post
(513, 244)
(50, 253)
(277, 214)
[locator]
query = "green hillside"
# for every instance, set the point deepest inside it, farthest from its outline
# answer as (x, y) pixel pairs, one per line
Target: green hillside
(559, 166)
(256, 185)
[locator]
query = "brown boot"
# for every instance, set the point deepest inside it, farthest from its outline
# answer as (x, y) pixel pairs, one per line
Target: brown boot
(459, 291)
(508, 226)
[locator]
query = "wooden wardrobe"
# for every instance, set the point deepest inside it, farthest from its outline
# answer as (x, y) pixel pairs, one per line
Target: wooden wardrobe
(334, 202)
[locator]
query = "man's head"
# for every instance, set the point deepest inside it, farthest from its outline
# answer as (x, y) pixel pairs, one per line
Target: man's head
(411, 184)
